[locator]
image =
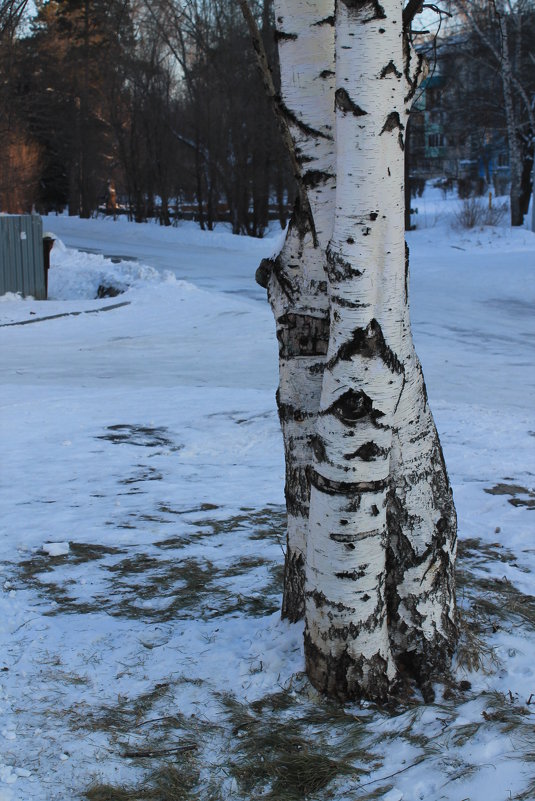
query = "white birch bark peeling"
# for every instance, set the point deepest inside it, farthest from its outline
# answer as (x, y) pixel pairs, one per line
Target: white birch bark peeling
(350, 648)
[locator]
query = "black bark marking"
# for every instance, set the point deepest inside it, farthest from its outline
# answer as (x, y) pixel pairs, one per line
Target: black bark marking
(345, 303)
(331, 487)
(353, 575)
(293, 599)
(368, 452)
(338, 269)
(283, 279)
(302, 335)
(392, 122)
(358, 6)
(303, 127)
(297, 490)
(281, 36)
(350, 539)
(321, 600)
(353, 406)
(314, 178)
(343, 102)
(324, 21)
(326, 73)
(318, 448)
(370, 343)
(374, 215)
(288, 412)
(406, 272)
(390, 69)
(374, 510)
(421, 657)
(413, 77)
(301, 219)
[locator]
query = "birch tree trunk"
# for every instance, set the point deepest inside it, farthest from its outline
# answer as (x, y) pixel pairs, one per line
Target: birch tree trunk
(379, 570)
(297, 281)
(371, 521)
(515, 156)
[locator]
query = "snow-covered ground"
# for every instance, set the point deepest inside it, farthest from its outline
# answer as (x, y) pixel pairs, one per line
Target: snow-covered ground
(143, 524)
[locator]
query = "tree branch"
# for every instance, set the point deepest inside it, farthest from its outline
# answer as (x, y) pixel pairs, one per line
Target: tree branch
(412, 8)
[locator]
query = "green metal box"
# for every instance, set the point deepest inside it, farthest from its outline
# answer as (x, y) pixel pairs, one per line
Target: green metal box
(21, 255)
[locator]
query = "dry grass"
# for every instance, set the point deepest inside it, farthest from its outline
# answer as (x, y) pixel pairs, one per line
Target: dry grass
(168, 783)
(158, 588)
(285, 750)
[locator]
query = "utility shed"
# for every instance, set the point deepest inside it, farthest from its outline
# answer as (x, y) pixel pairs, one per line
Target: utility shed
(21, 255)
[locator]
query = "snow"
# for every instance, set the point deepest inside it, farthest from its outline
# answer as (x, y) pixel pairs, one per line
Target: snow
(142, 519)
(56, 548)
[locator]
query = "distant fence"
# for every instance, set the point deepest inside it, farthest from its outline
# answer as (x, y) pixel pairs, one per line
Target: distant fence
(21, 255)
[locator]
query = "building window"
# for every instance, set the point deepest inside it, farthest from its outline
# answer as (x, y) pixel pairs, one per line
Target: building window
(435, 140)
(432, 98)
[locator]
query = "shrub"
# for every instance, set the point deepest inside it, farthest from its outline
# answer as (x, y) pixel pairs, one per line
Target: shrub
(470, 213)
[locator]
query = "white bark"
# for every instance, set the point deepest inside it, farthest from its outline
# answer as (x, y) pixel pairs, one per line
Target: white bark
(297, 285)
(371, 512)
(346, 623)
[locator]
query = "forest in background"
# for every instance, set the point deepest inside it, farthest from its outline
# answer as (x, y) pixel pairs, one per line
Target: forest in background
(152, 108)
(155, 109)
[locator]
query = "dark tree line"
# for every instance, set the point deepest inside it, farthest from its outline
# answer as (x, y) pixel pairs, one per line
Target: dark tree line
(150, 106)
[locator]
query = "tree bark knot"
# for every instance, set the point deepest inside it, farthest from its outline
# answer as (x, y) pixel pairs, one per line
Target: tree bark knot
(352, 406)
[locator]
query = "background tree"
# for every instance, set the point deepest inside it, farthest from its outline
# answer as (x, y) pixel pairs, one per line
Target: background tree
(158, 98)
(497, 79)
(20, 154)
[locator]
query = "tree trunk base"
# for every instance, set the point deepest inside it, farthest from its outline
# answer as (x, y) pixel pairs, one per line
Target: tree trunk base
(343, 677)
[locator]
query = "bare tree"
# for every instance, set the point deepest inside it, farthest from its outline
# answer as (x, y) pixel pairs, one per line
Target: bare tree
(499, 27)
